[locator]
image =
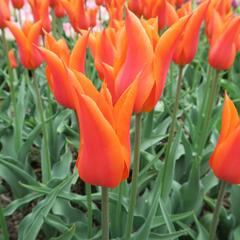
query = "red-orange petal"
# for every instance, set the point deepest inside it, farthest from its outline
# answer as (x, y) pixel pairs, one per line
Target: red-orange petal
(77, 58)
(223, 51)
(62, 84)
(225, 160)
(100, 160)
(139, 54)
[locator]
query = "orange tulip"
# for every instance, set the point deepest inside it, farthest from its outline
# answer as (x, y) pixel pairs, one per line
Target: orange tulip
(79, 17)
(26, 39)
(136, 6)
(187, 46)
(18, 3)
(102, 45)
(99, 2)
(185, 9)
(166, 14)
(11, 58)
(223, 46)
(137, 54)
(60, 64)
(40, 10)
(59, 10)
(104, 154)
(115, 10)
(4, 13)
(225, 160)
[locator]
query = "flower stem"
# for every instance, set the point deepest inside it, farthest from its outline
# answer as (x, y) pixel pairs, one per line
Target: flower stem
(136, 161)
(118, 209)
(17, 130)
(3, 224)
(20, 17)
(207, 112)
(45, 160)
(89, 205)
(105, 214)
(167, 164)
(221, 192)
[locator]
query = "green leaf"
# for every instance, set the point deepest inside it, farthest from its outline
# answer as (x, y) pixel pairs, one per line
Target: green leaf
(192, 192)
(235, 199)
(169, 236)
(19, 202)
(236, 233)
(159, 220)
(17, 169)
(25, 148)
(62, 168)
(31, 224)
(202, 232)
(3, 224)
(67, 235)
(169, 167)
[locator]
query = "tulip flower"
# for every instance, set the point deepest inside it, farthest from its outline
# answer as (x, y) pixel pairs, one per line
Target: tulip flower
(225, 160)
(104, 153)
(59, 10)
(4, 13)
(115, 10)
(11, 58)
(166, 14)
(60, 64)
(185, 9)
(18, 3)
(79, 17)
(135, 56)
(223, 6)
(187, 45)
(102, 45)
(40, 10)
(99, 2)
(223, 46)
(26, 40)
(136, 6)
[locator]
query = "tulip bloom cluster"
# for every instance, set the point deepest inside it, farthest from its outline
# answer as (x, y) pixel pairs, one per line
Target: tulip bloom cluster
(130, 57)
(225, 159)
(65, 74)
(126, 53)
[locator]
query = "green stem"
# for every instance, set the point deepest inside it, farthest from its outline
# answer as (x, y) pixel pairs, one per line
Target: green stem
(118, 209)
(17, 132)
(167, 163)
(89, 205)
(4, 40)
(135, 172)
(105, 214)
(207, 113)
(221, 192)
(3, 224)
(20, 17)
(10, 70)
(45, 160)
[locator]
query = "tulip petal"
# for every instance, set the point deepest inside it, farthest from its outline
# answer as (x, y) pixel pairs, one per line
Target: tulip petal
(186, 51)
(122, 114)
(222, 52)
(100, 160)
(34, 32)
(19, 36)
(225, 160)
(77, 58)
(61, 83)
(163, 55)
(230, 118)
(139, 53)
(90, 90)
